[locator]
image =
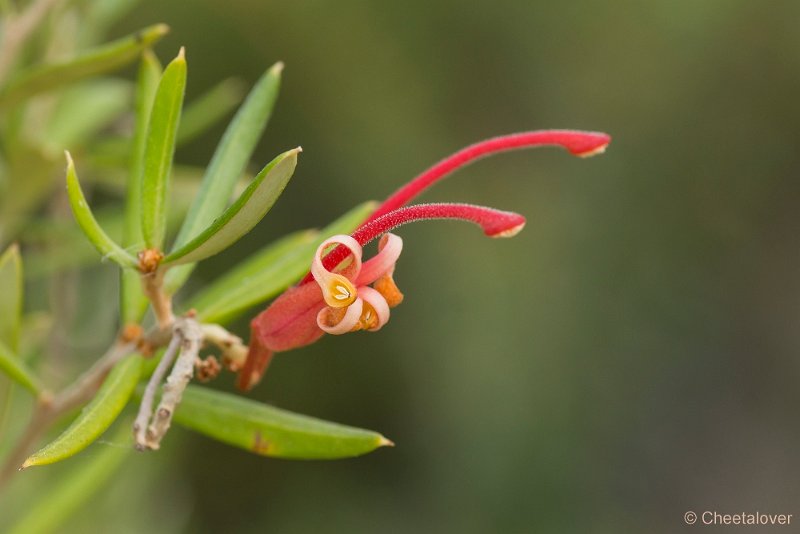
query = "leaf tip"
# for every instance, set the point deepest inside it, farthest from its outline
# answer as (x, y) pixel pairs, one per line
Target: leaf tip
(383, 441)
(68, 157)
(160, 29)
(181, 54)
(151, 34)
(277, 68)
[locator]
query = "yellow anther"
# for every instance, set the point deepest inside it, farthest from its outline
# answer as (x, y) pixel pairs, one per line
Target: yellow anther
(342, 293)
(339, 292)
(369, 319)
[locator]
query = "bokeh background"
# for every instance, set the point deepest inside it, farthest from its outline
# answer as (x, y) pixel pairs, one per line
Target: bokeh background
(633, 354)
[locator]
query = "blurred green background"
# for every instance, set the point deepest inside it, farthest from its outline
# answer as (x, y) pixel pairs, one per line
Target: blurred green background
(633, 354)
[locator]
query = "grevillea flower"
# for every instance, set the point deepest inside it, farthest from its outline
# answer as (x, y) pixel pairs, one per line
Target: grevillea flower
(343, 294)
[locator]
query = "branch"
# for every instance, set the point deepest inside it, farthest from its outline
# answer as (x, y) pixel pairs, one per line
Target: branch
(231, 347)
(153, 287)
(191, 336)
(146, 407)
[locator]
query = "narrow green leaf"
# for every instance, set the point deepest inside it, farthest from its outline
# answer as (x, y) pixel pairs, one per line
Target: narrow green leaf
(12, 366)
(96, 417)
(242, 215)
(270, 270)
(159, 150)
(232, 155)
(50, 76)
(100, 16)
(263, 275)
(10, 297)
(206, 110)
(83, 110)
(61, 497)
(83, 214)
(132, 300)
(227, 165)
(270, 431)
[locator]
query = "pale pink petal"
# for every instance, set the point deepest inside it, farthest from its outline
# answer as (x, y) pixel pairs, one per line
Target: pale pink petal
(347, 323)
(383, 262)
(337, 289)
(378, 303)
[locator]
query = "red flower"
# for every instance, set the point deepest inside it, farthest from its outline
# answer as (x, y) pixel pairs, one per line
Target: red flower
(350, 295)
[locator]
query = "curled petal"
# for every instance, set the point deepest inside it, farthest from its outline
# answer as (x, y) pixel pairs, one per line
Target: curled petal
(337, 289)
(388, 289)
(383, 262)
(376, 311)
(328, 321)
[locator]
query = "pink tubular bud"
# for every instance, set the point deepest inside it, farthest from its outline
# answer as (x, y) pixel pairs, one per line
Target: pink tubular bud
(495, 223)
(578, 143)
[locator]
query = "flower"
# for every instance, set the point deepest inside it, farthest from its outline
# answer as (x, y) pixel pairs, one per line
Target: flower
(342, 294)
(352, 304)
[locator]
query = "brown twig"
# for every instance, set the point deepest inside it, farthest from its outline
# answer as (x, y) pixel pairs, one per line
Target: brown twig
(153, 287)
(191, 339)
(146, 406)
(231, 347)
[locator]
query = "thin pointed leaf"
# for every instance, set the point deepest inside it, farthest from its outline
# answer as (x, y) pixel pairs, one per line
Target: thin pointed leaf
(12, 366)
(159, 150)
(132, 300)
(96, 417)
(270, 431)
(227, 165)
(269, 271)
(208, 109)
(232, 155)
(10, 297)
(264, 274)
(62, 497)
(105, 58)
(100, 16)
(83, 214)
(146, 86)
(83, 110)
(242, 215)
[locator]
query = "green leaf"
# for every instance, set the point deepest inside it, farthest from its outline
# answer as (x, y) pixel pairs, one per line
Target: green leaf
(83, 110)
(270, 270)
(100, 16)
(205, 111)
(50, 76)
(270, 431)
(96, 417)
(83, 214)
(132, 300)
(242, 215)
(12, 366)
(10, 297)
(228, 163)
(159, 150)
(61, 497)
(263, 275)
